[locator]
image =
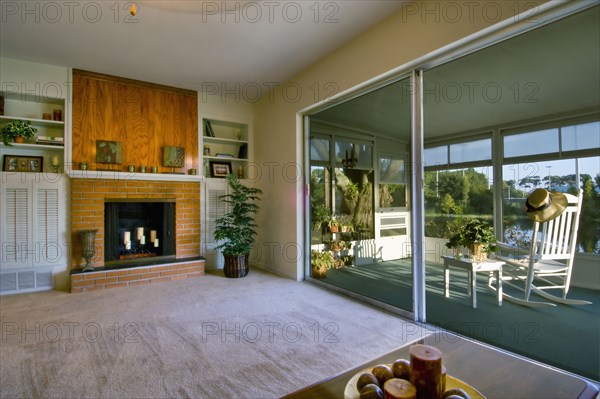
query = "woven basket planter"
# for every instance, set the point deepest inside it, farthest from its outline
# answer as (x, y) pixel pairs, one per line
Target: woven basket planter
(477, 253)
(236, 266)
(318, 271)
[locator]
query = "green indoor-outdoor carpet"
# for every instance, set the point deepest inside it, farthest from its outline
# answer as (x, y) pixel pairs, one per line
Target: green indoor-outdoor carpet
(564, 336)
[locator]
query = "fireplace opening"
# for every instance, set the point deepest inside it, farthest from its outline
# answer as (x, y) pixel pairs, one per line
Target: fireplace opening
(138, 229)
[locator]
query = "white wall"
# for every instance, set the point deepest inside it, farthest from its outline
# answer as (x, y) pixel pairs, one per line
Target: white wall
(278, 142)
(33, 79)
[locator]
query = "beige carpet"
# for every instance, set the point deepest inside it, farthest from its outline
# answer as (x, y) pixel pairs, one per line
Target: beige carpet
(210, 337)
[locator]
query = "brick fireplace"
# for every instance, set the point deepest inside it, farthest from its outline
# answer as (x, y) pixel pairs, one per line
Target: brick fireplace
(88, 197)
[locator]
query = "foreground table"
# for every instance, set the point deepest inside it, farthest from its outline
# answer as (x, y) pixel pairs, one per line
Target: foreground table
(494, 373)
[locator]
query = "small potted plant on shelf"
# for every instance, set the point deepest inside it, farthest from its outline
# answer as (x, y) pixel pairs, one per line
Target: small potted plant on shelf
(235, 231)
(333, 224)
(478, 236)
(345, 223)
(18, 131)
(321, 262)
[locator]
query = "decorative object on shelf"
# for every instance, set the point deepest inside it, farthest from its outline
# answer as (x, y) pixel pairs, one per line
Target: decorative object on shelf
(54, 161)
(240, 172)
(155, 169)
(243, 152)
(225, 155)
(57, 113)
(46, 116)
(208, 130)
(239, 135)
(334, 225)
(142, 169)
(131, 168)
(192, 171)
(88, 248)
(83, 165)
(109, 151)
(220, 169)
(235, 231)
(174, 157)
(51, 140)
(206, 150)
(17, 129)
(19, 163)
(478, 236)
(350, 161)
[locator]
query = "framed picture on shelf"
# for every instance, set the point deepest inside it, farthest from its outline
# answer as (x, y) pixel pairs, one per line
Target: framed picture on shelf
(19, 163)
(219, 168)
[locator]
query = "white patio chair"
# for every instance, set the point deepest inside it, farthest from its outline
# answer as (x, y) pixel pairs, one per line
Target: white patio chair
(549, 263)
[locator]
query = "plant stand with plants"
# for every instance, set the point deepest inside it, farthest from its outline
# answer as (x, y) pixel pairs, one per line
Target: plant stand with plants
(236, 230)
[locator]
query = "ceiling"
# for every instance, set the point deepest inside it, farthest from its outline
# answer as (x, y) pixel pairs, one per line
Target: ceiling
(551, 70)
(186, 43)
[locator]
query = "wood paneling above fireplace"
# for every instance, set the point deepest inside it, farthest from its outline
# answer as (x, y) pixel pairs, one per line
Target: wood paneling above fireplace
(144, 117)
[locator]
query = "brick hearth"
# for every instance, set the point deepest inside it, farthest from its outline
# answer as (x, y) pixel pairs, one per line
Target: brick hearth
(87, 212)
(94, 281)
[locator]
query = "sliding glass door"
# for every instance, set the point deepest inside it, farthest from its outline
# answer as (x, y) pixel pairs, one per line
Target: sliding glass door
(359, 185)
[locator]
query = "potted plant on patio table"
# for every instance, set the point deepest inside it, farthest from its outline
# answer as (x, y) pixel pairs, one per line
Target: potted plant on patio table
(478, 236)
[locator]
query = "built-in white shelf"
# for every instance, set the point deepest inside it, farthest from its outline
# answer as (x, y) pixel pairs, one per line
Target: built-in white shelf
(35, 121)
(33, 146)
(221, 140)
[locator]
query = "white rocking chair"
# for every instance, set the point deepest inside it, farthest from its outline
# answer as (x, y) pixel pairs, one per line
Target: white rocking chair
(549, 264)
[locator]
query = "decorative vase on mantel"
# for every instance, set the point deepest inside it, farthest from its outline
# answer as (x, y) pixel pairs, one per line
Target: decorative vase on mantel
(88, 248)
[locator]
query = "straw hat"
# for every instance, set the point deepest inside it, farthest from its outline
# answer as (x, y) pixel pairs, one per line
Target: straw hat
(543, 205)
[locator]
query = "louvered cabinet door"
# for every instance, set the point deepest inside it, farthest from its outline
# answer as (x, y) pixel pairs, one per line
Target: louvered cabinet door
(215, 208)
(48, 220)
(15, 224)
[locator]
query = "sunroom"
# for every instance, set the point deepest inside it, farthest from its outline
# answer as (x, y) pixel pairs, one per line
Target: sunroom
(396, 165)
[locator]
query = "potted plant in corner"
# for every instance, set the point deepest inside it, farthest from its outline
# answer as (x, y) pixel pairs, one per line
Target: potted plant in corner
(18, 131)
(235, 231)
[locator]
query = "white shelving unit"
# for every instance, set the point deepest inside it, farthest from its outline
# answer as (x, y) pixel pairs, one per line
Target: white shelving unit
(230, 144)
(31, 108)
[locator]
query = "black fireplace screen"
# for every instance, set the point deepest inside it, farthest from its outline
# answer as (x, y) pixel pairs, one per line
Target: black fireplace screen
(137, 229)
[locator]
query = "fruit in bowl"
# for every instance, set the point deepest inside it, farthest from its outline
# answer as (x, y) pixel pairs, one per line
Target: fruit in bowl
(421, 377)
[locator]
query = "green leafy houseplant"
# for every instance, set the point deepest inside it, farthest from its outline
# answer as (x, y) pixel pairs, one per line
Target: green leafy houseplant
(321, 262)
(319, 216)
(235, 231)
(477, 235)
(17, 129)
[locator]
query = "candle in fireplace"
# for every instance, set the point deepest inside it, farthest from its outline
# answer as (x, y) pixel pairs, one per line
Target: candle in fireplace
(156, 243)
(140, 232)
(127, 237)
(152, 235)
(143, 240)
